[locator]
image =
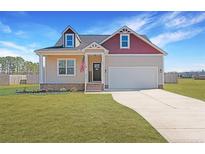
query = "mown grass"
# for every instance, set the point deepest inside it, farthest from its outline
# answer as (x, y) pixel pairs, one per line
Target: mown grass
(11, 90)
(188, 87)
(70, 117)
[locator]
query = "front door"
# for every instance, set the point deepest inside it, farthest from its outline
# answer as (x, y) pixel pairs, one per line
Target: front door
(96, 71)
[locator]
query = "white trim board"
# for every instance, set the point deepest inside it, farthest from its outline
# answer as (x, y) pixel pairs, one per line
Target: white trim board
(73, 40)
(59, 53)
(137, 55)
(128, 41)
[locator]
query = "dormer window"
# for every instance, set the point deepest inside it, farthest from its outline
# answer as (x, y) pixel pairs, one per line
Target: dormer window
(69, 40)
(124, 41)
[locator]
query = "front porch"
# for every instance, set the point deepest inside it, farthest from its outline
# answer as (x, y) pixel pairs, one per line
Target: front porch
(94, 72)
(81, 70)
(95, 67)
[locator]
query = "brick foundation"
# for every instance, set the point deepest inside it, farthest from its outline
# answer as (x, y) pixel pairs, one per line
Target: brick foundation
(77, 86)
(67, 86)
(94, 87)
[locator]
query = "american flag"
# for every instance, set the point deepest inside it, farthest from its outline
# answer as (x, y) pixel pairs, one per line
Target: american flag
(82, 66)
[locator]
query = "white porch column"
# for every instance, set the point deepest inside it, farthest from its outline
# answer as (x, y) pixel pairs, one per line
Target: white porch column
(103, 68)
(163, 70)
(86, 70)
(40, 69)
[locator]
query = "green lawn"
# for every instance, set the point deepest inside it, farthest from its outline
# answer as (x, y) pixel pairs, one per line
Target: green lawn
(69, 117)
(188, 87)
(11, 90)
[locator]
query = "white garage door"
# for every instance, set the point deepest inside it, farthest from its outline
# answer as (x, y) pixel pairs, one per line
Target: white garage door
(132, 77)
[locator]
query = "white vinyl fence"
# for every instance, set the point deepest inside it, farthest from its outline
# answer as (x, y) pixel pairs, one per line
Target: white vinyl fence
(32, 79)
(16, 79)
(6, 79)
(170, 77)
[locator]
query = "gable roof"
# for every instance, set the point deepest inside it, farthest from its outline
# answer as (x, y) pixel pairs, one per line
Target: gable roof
(144, 38)
(87, 39)
(95, 45)
(69, 27)
(100, 39)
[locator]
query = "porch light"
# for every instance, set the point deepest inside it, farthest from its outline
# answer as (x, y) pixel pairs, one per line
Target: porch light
(160, 70)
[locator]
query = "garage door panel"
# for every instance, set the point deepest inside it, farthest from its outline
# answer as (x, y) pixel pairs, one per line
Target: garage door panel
(132, 77)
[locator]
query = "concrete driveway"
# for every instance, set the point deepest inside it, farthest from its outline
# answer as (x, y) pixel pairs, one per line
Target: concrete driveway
(177, 118)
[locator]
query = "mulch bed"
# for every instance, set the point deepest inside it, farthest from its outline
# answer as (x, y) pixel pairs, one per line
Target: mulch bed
(40, 92)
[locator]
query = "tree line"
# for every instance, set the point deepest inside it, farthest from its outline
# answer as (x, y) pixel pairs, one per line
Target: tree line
(17, 65)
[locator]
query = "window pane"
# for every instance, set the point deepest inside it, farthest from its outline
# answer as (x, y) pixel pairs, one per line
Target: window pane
(69, 43)
(124, 44)
(70, 71)
(70, 63)
(124, 38)
(62, 70)
(69, 40)
(62, 63)
(69, 37)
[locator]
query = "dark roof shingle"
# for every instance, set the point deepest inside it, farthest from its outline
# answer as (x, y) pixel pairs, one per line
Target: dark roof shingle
(85, 41)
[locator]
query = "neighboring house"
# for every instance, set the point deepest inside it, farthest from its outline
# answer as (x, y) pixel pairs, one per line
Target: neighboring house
(191, 74)
(123, 60)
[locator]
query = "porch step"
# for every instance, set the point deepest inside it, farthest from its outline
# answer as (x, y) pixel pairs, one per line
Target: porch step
(91, 87)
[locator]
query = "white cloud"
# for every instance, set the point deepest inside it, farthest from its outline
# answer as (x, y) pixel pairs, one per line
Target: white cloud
(21, 34)
(179, 20)
(5, 28)
(12, 49)
(42, 33)
(169, 16)
(169, 37)
(6, 52)
(39, 32)
(200, 65)
(14, 46)
(33, 45)
(174, 21)
(138, 23)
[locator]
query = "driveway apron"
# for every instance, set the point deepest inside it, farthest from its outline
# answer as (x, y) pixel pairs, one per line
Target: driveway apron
(178, 118)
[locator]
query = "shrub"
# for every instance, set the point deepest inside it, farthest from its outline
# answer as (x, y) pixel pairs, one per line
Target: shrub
(73, 89)
(63, 90)
(24, 89)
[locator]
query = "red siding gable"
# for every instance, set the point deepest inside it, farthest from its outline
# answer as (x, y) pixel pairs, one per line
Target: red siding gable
(137, 46)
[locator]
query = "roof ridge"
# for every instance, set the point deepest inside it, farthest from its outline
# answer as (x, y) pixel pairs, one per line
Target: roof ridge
(93, 35)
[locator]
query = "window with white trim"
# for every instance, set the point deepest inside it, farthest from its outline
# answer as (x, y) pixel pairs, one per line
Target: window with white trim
(66, 67)
(124, 40)
(70, 67)
(69, 40)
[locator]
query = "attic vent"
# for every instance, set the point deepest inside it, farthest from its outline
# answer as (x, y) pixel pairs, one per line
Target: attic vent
(94, 45)
(125, 30)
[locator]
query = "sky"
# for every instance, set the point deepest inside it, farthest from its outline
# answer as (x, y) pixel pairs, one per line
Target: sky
(180, 34)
